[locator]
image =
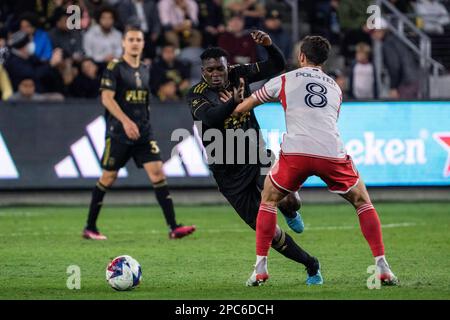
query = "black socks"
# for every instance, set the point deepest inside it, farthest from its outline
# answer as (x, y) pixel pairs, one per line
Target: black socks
(96, 204)
(165, 202)
(288, 248)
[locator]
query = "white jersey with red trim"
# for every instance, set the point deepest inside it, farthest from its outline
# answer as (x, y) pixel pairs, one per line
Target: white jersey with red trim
(311, 101)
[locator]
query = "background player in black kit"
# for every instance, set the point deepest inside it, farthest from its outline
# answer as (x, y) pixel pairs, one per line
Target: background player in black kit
(125, 95)
(212, 102)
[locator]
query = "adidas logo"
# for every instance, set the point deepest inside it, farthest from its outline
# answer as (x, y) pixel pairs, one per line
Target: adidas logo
(8, 169)
(84, 161)
(187, 160)
(86, 154)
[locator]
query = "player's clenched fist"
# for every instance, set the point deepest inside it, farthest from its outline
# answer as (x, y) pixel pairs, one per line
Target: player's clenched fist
(261, 38)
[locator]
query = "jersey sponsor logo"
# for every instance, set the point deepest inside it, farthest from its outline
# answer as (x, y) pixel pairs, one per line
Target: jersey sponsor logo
(8, 168)
(443, 138)
(374, 151)
(236, 122)
(136, 96)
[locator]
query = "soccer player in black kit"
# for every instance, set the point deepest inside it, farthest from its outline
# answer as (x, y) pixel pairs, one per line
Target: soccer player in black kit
(212, 102)
(125, 94)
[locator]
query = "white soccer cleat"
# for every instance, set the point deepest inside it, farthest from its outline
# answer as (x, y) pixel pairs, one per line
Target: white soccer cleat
(386, 276)
(257, 279)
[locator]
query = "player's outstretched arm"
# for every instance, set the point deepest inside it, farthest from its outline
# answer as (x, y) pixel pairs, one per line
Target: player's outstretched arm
(246, 105)
(131, 129)
(275, 62)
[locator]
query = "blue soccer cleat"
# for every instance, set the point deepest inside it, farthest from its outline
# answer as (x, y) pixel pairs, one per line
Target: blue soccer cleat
(314, 275)
(315, 279)
(296, 223)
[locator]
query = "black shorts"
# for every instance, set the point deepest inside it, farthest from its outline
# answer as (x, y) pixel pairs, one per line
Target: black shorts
(117, 154)
(246, 203)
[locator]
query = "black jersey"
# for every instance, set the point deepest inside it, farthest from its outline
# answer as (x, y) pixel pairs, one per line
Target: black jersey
(206, 107)
(132, 93)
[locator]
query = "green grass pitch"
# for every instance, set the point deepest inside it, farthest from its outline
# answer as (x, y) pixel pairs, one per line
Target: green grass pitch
(37, 244)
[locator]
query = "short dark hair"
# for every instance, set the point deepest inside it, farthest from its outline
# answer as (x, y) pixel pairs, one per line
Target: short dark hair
(316, 49)
(213, 53)
(131, 27)
(102, 10)
(31, 17)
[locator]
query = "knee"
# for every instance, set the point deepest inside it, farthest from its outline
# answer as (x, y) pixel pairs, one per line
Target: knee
(277, 234)
(268, 198)
(108, 179)
(291, 202)
(360, 200)
(157, 175)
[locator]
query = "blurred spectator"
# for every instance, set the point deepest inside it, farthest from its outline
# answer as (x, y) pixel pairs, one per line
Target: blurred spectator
(5, 84)
(325, 20)
(178, 18)
(352, 20)
(70, 41)
(400, 63)
(191, 55)
(239, 44)
(62, 5)
(102, 42)
(211, 21)
(42, 43)
(87, 82)
(434, 15)
(273, 27)
(362, 79)
(13, 9)
(353, 14)
(252, 11)
(27, 92)
(21, 64)
(145, 15)
(168, 91)
(168, 67)
(93, 6)
(338, 76)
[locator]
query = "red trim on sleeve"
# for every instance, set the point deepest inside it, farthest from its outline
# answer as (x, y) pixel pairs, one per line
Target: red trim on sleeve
(282, 96)
(264, 91)
(258, 96)
(340, 105)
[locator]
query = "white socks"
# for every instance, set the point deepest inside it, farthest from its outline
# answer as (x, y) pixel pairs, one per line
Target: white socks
(381, 263)
(261, 264)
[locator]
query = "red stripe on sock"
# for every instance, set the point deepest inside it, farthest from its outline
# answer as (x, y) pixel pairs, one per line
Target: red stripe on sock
(371, 229)
(266, 223)
(364, 207)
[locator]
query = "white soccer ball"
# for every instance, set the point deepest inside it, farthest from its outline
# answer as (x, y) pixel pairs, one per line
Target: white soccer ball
(123, 273)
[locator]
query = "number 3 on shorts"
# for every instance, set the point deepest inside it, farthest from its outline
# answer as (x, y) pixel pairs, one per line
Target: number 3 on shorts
(154, 145)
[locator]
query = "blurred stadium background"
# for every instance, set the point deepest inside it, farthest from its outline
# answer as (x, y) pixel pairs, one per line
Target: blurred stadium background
(395, 119)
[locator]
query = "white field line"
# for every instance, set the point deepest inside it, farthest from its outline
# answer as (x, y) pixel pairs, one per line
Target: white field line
(225, 230)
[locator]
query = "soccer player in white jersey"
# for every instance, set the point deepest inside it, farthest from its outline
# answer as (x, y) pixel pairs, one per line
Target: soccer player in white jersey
(312, 146)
